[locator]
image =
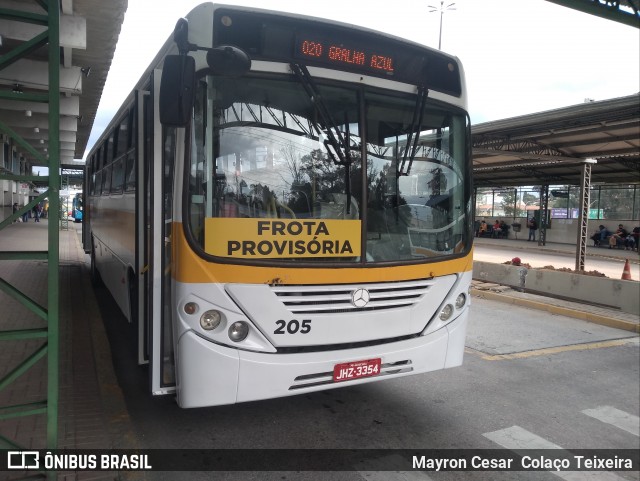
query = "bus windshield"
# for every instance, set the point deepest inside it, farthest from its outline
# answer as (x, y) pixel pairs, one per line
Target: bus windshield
(269, 181)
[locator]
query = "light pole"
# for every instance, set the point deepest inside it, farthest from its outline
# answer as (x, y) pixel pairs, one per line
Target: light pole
(442, 8)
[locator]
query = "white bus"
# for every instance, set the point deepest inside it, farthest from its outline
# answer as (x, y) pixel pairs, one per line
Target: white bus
(283, 205)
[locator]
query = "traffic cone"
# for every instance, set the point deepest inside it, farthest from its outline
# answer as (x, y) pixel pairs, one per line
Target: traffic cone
(626, 272)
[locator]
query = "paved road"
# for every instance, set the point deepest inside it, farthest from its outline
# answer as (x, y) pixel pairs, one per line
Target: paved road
(528, 377)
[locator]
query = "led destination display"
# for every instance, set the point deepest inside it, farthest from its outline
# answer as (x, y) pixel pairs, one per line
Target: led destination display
(311, 42)
(341, 54)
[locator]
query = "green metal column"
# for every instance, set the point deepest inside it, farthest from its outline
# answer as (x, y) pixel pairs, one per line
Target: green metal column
(54, 232)
(50, 334)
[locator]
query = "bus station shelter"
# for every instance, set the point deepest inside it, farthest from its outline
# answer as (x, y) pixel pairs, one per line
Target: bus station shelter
(593, 143)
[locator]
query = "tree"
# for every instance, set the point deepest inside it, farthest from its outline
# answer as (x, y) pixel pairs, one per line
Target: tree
(509, 199)
(293, 163)
(529, 198)
(616, 202)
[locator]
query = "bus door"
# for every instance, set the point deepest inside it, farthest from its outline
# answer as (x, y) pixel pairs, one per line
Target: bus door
(155, 332)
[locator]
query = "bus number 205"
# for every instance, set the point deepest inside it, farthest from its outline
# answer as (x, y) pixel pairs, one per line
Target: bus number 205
(293, 326)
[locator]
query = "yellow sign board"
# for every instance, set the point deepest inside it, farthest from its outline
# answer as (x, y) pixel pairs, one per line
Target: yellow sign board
(281, 238)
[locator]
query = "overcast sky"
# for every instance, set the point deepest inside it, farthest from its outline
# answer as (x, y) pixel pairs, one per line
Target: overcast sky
(520, 57)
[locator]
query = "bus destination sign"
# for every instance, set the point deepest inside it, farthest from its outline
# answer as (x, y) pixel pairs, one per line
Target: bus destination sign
(338, 53)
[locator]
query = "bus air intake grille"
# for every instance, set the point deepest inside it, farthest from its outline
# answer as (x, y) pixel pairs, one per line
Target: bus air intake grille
(332, 299)
(324, 378)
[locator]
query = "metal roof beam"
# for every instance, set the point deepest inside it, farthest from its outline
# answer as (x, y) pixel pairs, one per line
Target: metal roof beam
(43, 134)
(566, 119)
(73, 31)
(542, 176)
(35, 74)
(621, 11)
(612, 138)
(631, 151)
(600, 126)
(68, 106)
(20, 121)
(506, 144)
(633, 165)
(524, 155)
(24, 49)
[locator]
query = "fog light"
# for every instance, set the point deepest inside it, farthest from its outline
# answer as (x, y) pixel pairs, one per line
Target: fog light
(238, 331)
(191, 308)
(210, 320)
(446, 312)
(461, 300)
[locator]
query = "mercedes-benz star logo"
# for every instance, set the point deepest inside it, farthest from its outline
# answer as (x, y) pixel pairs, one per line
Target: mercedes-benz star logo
(360, 297)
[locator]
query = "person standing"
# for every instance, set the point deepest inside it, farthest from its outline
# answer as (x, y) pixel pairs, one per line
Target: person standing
(533, 227)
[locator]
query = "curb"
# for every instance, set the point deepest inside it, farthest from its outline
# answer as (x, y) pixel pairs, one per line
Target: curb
(563, 311)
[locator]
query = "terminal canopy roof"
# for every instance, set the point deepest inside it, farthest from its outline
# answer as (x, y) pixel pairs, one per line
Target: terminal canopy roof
(89, 31)
(549, 148)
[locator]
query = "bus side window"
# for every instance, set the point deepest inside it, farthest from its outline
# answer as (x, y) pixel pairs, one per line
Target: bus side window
(132, 128)
(106, 180)
(123, 136)
(113, 139)
(98, 183)
(117, 177)
(108, 149)
(91, 170)
(130, 172)
(98, 164)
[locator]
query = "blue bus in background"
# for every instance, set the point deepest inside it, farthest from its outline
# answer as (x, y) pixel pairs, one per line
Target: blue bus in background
(76, 208)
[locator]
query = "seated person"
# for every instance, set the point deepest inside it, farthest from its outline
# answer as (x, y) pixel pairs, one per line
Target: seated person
(483, 229)
(600, 236)
(631, 241)
(618, 237)
(497, 231)
(504, 227)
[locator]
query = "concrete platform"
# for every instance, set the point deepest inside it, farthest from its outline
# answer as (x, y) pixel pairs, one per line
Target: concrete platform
(92, 412)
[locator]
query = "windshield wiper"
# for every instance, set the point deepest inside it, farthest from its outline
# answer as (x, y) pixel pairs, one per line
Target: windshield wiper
(335, 142)
(414, 131)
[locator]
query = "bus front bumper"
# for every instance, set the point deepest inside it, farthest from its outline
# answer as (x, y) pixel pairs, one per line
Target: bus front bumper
(211, 374)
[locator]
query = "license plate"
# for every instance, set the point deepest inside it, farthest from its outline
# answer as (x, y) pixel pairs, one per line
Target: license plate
(357, 369)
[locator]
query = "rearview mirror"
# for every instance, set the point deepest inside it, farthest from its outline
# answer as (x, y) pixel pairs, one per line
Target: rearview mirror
(177, 90)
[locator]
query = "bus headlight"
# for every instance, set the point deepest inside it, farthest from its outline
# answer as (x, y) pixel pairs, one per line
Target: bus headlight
(210, 320)
(238, 331)
(461, 300)
(446, 312)
(191, 308)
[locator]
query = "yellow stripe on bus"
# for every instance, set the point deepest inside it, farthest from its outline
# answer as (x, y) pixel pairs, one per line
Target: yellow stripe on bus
(190, 268)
